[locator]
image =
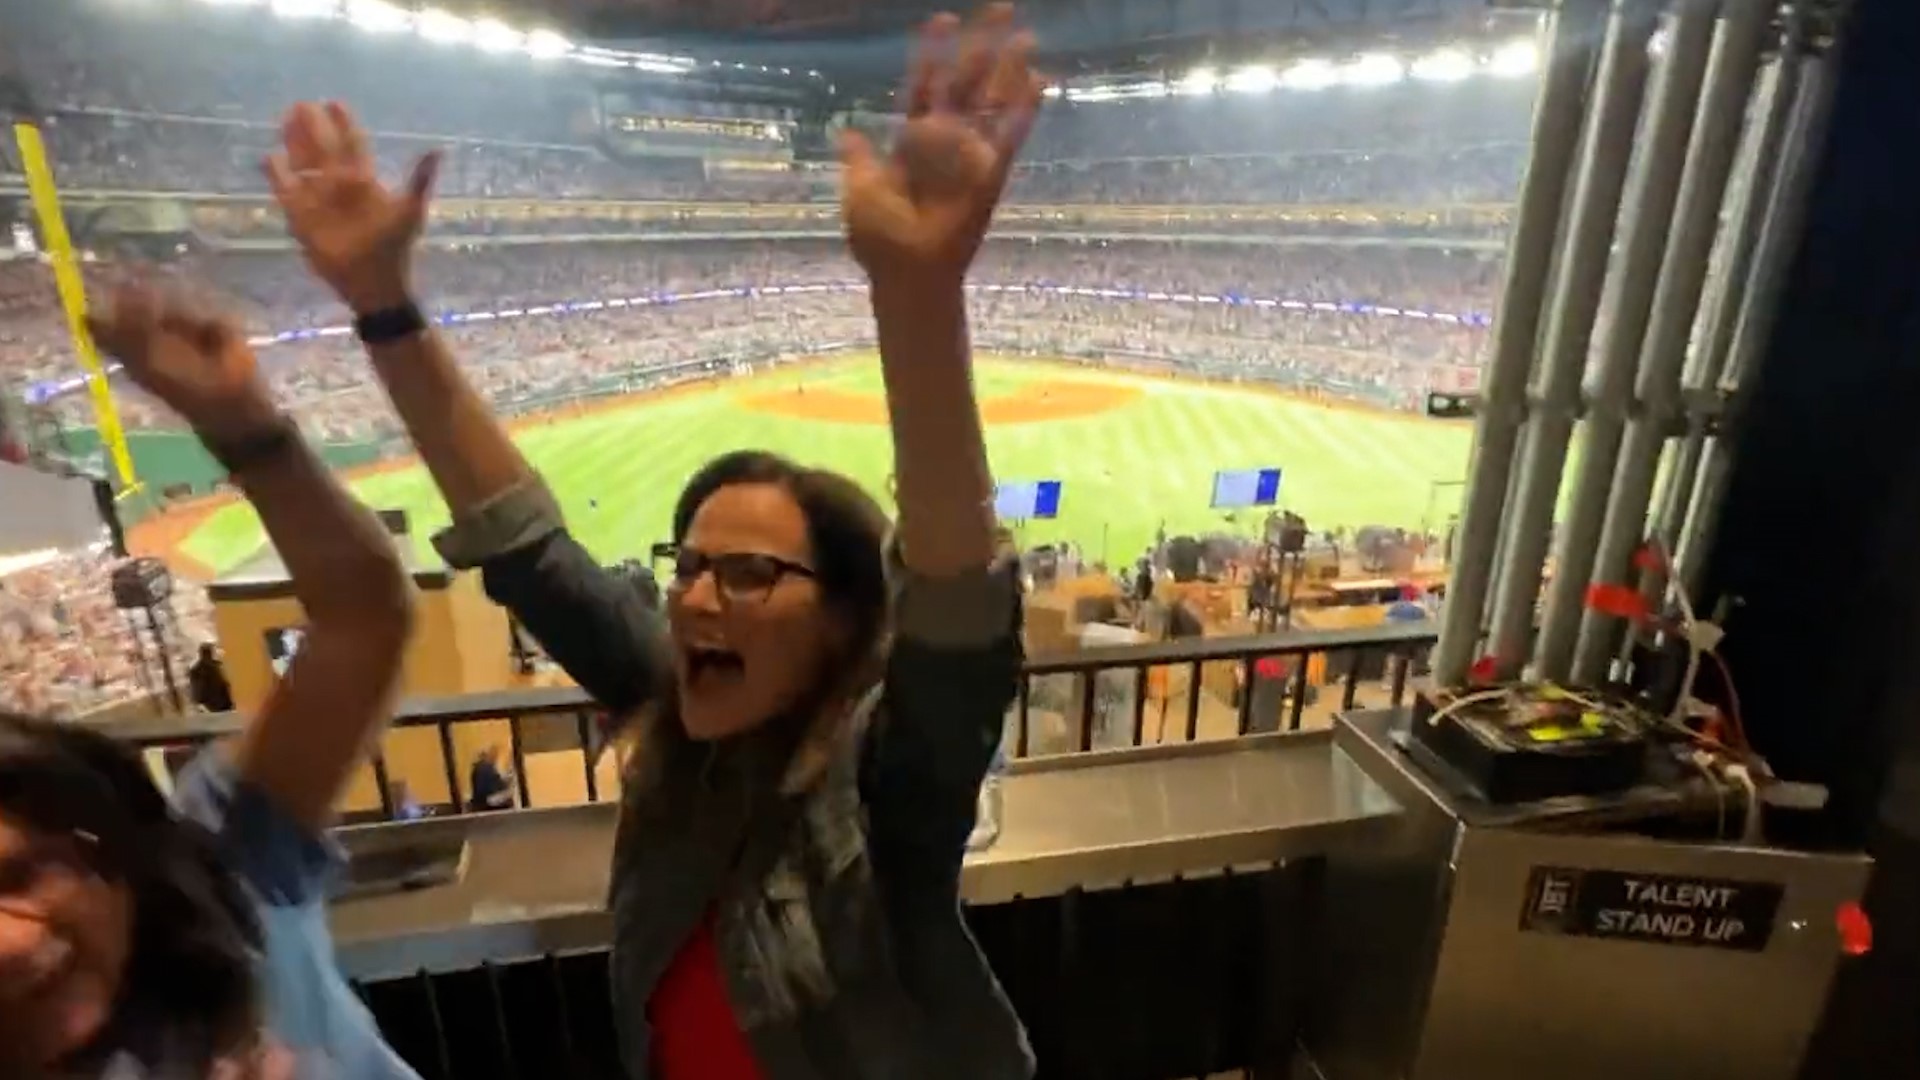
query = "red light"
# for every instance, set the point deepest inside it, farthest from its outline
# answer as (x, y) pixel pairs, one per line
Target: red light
(1647, 557)
(1856, 929)
(1620, 601)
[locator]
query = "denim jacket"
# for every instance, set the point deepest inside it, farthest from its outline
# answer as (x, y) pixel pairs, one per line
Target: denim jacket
(829, 852)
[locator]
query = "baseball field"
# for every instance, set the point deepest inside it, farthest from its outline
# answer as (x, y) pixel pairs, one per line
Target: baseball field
(1133, 451)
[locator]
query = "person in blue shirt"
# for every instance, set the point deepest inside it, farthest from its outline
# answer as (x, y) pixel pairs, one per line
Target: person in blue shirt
(142, 938)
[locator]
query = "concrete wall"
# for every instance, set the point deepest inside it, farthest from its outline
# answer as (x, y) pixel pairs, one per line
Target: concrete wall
(42, 511)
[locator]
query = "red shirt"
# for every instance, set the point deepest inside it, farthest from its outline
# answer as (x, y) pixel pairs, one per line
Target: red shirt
(695, 1034)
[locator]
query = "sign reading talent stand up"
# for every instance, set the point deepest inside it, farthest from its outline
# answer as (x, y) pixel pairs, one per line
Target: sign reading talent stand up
(1656, 908)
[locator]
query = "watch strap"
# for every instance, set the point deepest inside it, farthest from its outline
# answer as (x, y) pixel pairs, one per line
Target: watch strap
(389, 324)
(269, 442)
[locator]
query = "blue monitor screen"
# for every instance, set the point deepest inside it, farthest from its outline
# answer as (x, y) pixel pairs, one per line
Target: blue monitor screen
(1245, 487)
(1020, 500)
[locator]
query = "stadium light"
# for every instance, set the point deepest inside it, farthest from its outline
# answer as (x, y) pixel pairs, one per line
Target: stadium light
(305, 9)
(547, 45)
(233, 3)
(1253, 79)
(442, 26)
(1514, 59)
(378, 16)
(492, 35)
(1443, 66)
(1373, 69)
(1310, 75)
(1201, 80)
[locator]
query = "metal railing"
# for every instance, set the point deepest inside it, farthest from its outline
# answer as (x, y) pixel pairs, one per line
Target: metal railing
(1198, 977)
(1101, 698)
(1149, 978)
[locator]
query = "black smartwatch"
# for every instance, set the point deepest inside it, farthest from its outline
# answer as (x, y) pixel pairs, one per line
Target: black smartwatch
(389, 325)
(263, 444)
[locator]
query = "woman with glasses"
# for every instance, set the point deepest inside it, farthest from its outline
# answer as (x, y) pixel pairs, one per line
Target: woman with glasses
(140, 938)
(813, 715)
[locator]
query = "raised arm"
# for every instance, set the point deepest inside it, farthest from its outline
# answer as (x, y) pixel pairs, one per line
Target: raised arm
(915, 221)
(359, 237)
(346, 573)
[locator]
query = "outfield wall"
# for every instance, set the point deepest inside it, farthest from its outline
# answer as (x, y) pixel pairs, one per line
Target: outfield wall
(172, 460)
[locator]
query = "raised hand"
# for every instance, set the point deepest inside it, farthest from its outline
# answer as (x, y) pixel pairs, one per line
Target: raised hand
(191, 357)
(971, 98)
(357, 234)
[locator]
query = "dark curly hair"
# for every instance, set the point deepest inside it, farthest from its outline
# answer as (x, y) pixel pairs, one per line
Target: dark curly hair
(188, 997)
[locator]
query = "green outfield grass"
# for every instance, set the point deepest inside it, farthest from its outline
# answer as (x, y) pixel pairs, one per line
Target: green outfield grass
(1126, 470)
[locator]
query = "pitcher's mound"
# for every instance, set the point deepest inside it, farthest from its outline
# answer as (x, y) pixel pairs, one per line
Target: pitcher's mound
(1035, 402)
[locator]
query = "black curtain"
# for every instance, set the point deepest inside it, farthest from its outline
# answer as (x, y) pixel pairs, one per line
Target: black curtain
(1822, 524)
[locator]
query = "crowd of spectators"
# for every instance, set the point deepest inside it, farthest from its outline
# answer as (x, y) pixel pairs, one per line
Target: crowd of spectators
(65, 650)
(1018, 305)
(175, 96)
(169, 95)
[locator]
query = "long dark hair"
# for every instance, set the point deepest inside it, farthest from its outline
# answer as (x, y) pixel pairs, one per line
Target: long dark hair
(187, 998)
(847, 532)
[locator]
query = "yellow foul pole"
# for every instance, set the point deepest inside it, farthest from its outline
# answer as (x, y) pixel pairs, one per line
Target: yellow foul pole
(73, 297)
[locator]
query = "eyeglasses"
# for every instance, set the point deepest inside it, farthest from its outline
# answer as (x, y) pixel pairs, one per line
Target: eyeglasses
(739, 575)
(45, 869)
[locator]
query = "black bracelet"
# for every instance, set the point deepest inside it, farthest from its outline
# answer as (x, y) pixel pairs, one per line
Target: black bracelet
(264, 444)
(389, 325)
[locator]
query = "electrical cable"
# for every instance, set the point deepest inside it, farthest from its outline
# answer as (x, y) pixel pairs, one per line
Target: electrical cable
(1734, 716)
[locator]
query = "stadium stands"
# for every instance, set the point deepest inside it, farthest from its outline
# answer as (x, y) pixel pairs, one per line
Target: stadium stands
(66, 651)
(1340, 239)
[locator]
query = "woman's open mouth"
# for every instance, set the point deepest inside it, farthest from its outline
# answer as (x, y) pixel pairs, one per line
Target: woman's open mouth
(708, 666)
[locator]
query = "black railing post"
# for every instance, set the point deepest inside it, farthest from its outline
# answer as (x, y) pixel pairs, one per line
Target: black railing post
(1299, 691)
(519, 760)
(568, 1052)
(1020, 734)
(1193, 700)
(385, 783)
(502, 1035)
(442, 1052)
(1402, 664)
(1089, 684)
(1140, 707)
(583, 724)
(1352, 690)
(1247, 672)
(453, 771)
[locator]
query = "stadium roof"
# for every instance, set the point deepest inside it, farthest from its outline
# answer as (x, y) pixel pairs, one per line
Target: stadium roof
(857, 42)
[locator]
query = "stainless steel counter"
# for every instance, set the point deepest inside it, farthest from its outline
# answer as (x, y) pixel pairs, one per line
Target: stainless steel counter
(1475, 940)
(535, 880)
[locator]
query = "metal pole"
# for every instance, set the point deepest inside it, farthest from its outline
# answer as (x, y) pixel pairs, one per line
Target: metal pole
(1779, 237)
(1757, 176)
(1662, 142)
(159, 639)
(1729, 87)
(1606, 148)
(1556, 124)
